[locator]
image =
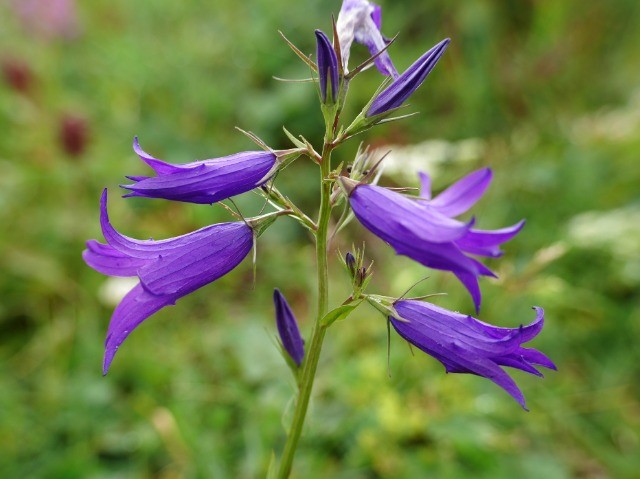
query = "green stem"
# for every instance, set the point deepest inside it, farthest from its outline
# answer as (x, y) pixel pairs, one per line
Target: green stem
(312, 354)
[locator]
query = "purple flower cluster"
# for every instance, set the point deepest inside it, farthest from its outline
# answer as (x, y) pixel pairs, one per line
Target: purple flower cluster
(425, 228)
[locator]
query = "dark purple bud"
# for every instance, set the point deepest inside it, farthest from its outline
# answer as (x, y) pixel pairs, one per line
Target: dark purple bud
(361, 276)
(73, 135)
(288, 328)
(205, 181)
(403, 87)
(327, 68)
(466, 345)
(168, 269)
(350, 260)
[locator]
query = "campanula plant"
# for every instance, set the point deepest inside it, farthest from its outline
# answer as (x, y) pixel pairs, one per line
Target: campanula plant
(423, 227)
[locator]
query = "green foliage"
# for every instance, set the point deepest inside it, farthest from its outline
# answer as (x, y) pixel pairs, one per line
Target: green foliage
(547, 88)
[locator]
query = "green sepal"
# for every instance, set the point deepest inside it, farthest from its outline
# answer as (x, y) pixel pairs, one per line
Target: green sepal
(384, 304)
(339, 313)
(259, 224)
(295, 369)
(293, 139)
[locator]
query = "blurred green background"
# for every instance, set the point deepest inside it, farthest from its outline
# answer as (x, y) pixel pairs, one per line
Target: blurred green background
(545, 92)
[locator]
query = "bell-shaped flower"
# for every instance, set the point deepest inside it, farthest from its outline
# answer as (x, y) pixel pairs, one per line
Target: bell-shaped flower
(168, 269)
(361, 21)
(327, 69)
(424, 231)
(464, 344)
(292, 342)
(403, 87)
(205, 181)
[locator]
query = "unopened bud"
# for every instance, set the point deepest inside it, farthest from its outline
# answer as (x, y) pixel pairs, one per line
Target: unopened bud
(350, 260)
(327, 69)
(288, 330)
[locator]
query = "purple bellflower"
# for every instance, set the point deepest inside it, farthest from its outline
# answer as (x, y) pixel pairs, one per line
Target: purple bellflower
(403, 87)
(288, 330)
(206, 181)
(361, 21)
(426, 233)
(168, 269)
(464, 344)
(327, 68)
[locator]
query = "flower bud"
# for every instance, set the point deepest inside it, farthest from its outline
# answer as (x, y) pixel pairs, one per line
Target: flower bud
(350, 260)
(403, 87)
(288, 330)
(327, 69)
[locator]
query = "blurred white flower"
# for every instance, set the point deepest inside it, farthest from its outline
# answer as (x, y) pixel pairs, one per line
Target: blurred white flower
(617, 231)
(429, 156)
(613, 124)
(114, 289)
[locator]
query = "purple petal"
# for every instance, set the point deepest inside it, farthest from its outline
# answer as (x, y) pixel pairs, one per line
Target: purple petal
(136, 178)
(517, 362)
(533, 356)
(454, 331)
(376, 16)
(107, 260)
(136, 306)
(151, 249)
(487, 242)
(159, 166)
(288, 328)
(463, 194)
(527, 332)
(425, 185)
(391, 214)
(370, 37)
(442, 256)
(200, 262)
(470, 282)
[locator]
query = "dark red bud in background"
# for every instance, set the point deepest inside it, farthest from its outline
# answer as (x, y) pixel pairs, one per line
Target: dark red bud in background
(73, 135)
(17, 74)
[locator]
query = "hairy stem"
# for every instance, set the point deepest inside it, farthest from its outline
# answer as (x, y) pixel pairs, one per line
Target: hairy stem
(312, 354)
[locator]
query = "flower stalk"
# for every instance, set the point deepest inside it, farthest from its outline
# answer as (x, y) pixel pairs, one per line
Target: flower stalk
(310, 363)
